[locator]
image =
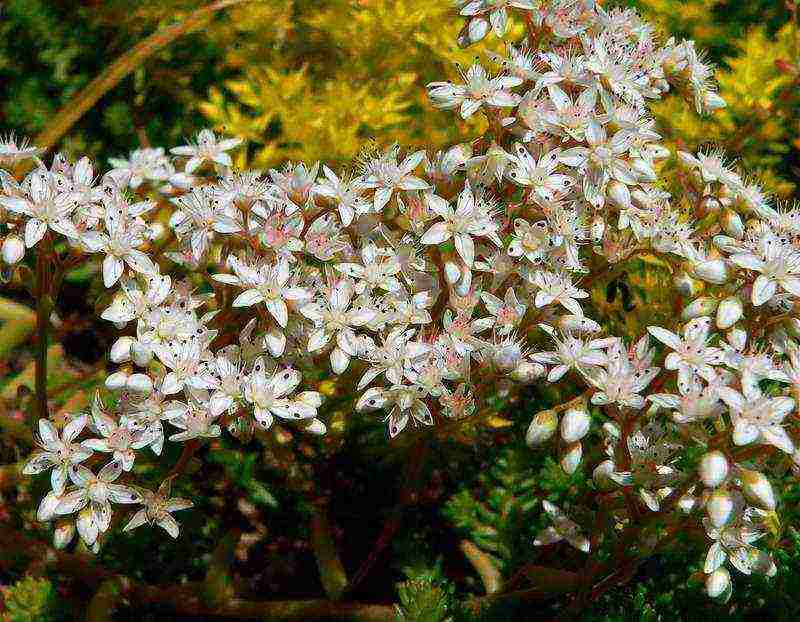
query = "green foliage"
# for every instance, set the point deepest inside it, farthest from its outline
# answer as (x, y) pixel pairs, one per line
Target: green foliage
(425, 595)
(30, 600)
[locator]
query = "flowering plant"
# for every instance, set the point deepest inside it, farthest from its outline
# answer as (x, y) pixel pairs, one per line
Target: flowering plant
(431, 284)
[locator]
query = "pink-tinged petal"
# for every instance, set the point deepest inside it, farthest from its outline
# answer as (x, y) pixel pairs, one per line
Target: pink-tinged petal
(318, 339)
(666, 337)
(87, 528)
(123, 494)
(465, 248)
(74, 428)
(248, 298)
(744, 433)
(339, 360)
(763, 290)
(48, 433)
(39, 462)
(778, 437)
(72, 502)
(34, 232)
(113, 267)
(110, 472)
(437, 234)
(279, 311)
(398, 421)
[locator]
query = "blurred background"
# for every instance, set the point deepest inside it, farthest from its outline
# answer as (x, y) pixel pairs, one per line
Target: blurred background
(318, 80)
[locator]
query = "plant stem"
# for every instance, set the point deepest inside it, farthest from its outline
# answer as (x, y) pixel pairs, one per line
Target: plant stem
(42, 325)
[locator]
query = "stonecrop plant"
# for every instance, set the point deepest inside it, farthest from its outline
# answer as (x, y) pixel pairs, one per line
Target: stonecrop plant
(426, 285)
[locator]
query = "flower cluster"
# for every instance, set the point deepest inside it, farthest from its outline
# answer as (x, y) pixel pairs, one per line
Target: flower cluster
(429, 281)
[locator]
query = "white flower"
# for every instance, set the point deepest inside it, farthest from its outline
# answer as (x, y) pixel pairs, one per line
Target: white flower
(478, 90)
(143, 165)
(58, 454)
(270, 397)
(97, 492)
(336, 318)
(508, 313)
(757, 418)
(558, 287)
(265, 283)
(406, 401)
(45, 207)
(691, 355)
(385, 175)
(207, 149)
(471, 218)
(539, 175)
(347, 194)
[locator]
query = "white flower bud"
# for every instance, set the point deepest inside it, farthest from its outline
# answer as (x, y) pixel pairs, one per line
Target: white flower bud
(451, 273)
(140, 384)
(121, 350)
(644, 170)
(757, 489)
(13, 249)
(527, 371)
(619, 194)
(575, 424)
(116, 381)
(718, 582)
(712, 271)
(571, 458)
(602, 475)
(713, 469)
(141, 354)
(732, 224)
(542, 427)
(720, 507)
(699, 307)
(737, 337)
(63, 534)
(686, 285)
(463, 286)
(729, 312)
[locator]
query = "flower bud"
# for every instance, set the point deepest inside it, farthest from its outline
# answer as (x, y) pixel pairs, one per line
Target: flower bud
(732, 224)
(729, 312)
(737, 337)
(63, 534)
(602, 475)
(712, 271)
(527, 371)
(141, 354)
(644, 170)
(116, 381)
(542, 427)
(757, 489)
(451, 272)
(575, 424)
(704, 305)
(720, 507)
(463, 286)
(140, 384)
(571, 458)
(686, 285)
(713, 469)
(619, 194)
(13, 249)
(121, 350)
(718, 582)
